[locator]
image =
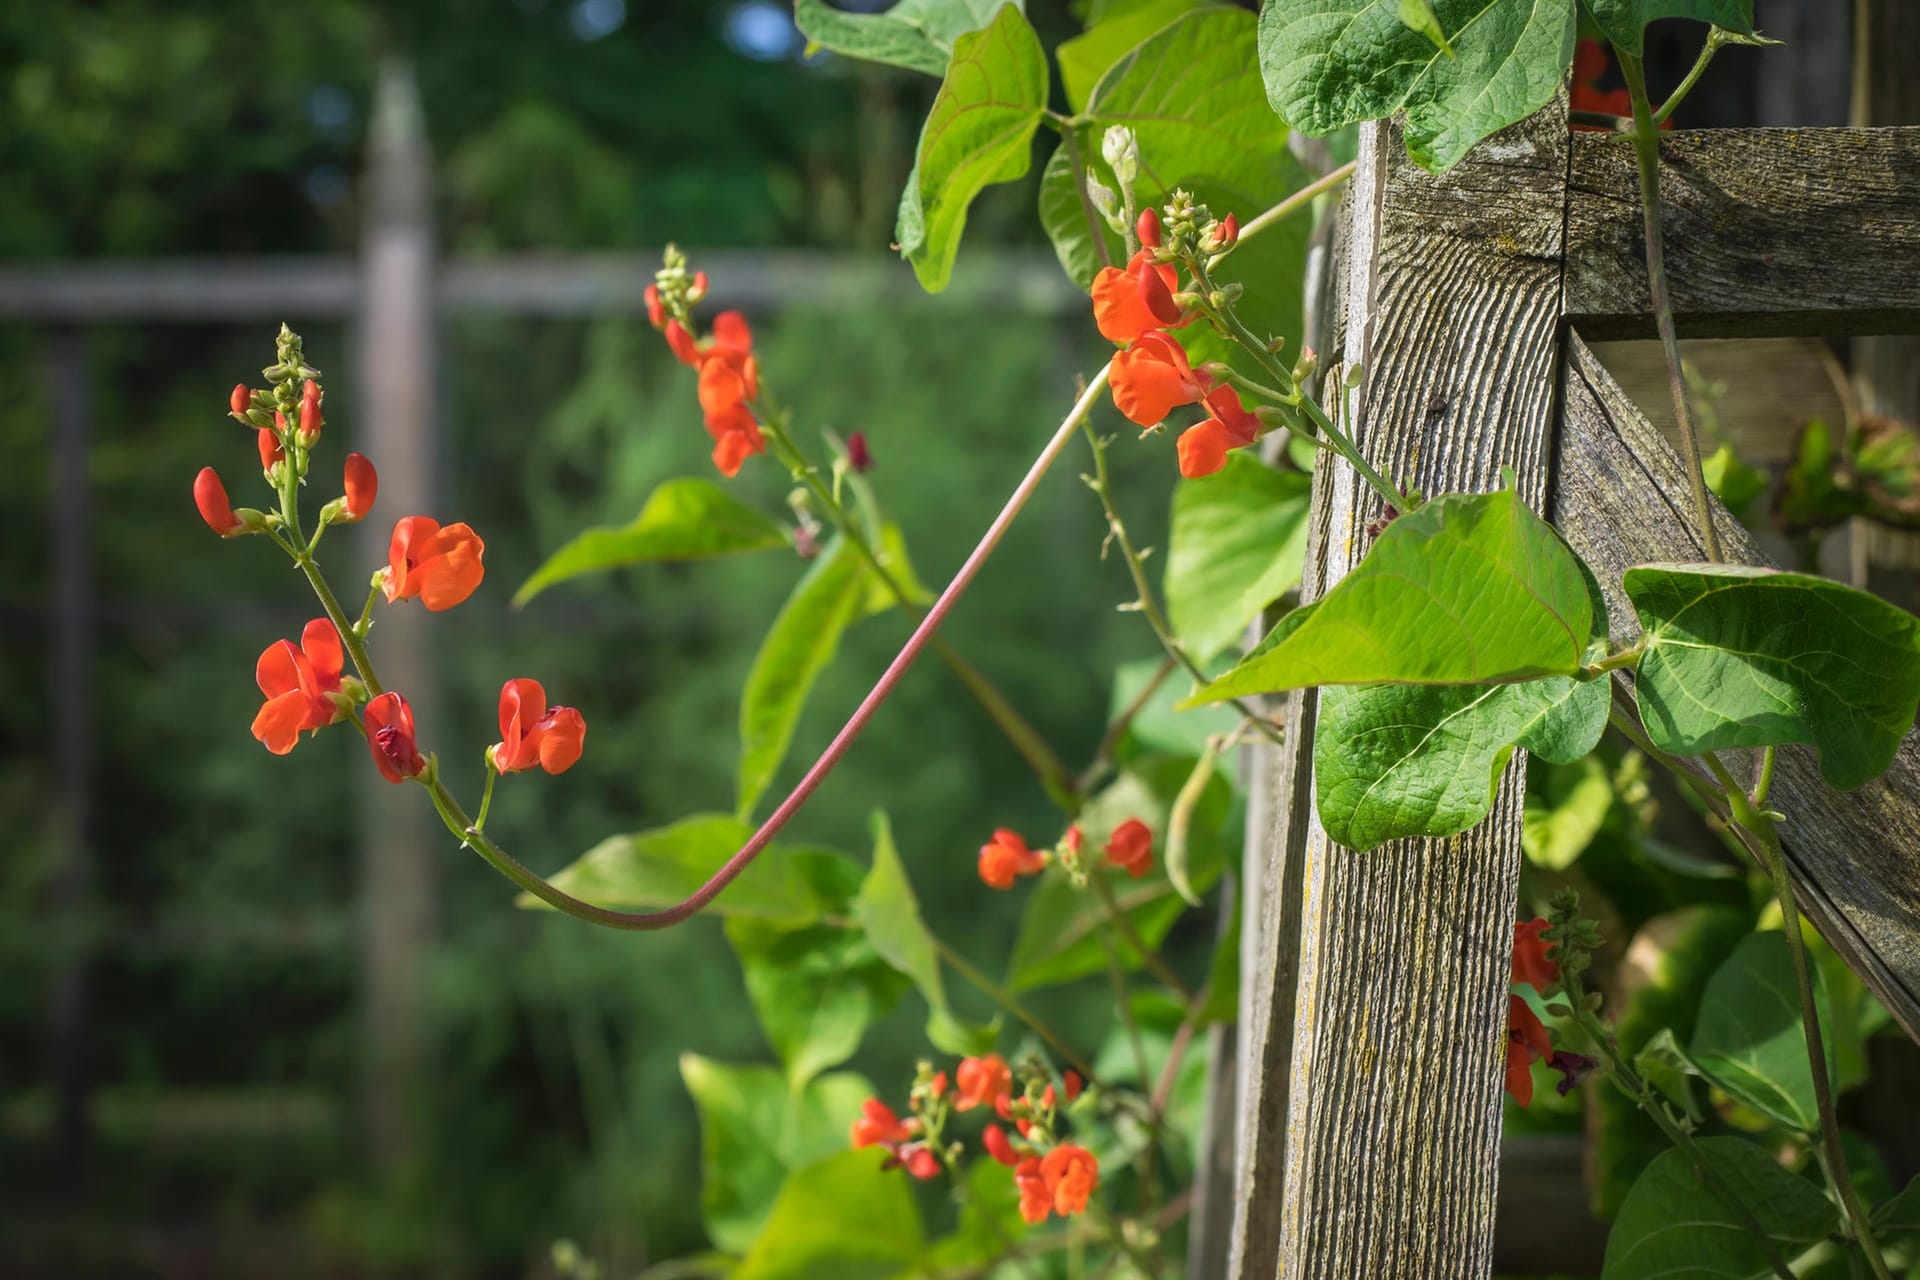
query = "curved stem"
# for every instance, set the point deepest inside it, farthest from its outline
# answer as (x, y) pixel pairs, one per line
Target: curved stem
(1298, 199)
(1679, 95)
(1646, 150)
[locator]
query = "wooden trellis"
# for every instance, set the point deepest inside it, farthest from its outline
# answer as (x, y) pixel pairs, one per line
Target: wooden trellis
(1374, 1019)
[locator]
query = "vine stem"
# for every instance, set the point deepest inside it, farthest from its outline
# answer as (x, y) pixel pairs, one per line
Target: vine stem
(1148, 955)
(1301, 197)
(1001, 997)
(1774, 858)
(1646, 150)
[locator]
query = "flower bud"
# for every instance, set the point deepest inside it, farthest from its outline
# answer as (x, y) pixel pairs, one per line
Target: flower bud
(310, 419)
(1122, 151)
(389, 723)
(1148, 228)
(270, 451)
(656, 311)
(239, 400)
(362, 483)
(857, 456)
(211, 497)
(1303, 367)
(698, 289)
(1226, 232)
(1104, 200)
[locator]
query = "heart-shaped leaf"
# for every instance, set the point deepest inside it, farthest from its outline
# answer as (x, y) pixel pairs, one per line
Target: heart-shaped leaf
(1750, 1039)
(686, 519)
(1467, 589)
(1237, 542)
(1329, 63)
(1671, 1225)
(841, 1217)
(659, 868)
(816, 989)
(916, 34)
(1086, 57)
(1740, 657)
(1624, 21)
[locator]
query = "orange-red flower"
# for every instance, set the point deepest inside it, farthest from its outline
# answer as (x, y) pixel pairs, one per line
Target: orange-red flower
(1530, 963)
(211, 497)
(999, 1146)
(1071, 1174)
(1136, 299)
(1203, 447)
(310, 419)
(1131, 848)
(879, 1126)
(441, 566)
(1526, 1042)
(268, 441)
(1007, 856)
(1152, 377)
(530, 734)
(390, 737)
(917, 1159)
(982, 1082)
(656, 310)
(362, 484)
(729, 378)
(681, 343)
(296, 683)
(1036, 1201)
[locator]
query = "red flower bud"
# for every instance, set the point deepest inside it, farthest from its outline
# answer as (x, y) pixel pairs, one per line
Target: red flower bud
(857, 456)
(698, 289)
(656, 312)
(270, 450)
(920, 1162)
(310, 419)
(240, 399)
(1148, 228)
(998, 1145)
(1074, 1085)
(211, 497)
(362, 483)
(390, 737)
(1227, 233)
(1131, 848)
(681, 343)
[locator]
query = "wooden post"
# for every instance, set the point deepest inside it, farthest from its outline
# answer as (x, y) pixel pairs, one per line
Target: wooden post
(394, 423)
(1373, 1123)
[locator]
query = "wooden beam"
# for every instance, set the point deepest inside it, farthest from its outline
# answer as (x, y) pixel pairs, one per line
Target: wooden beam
(1621, 499)
(1769, 233)
(1371, 1141)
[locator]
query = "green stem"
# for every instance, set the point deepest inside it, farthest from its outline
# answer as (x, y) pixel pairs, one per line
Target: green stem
(486, 796)
(1711, 47)
(1000, 996)
(1646, 150)
(1298, 200)
(1266, 392)
(1117, 978)
(1775, 860)
(1110, 741)
(1124, 923)
(1763, 784)
(1628, 657)
(365, 623)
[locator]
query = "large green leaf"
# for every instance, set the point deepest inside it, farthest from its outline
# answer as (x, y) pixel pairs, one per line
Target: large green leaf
(1465, 589)
(843, 1217)
(754, 1128)
(1673, 1228)
(1158, 727)
(659, 868)
(1396, 760)
(1565, 810)
(1238, 538)
(1740, 657)
(686, 519)
(1901, 1213)
(915, 34)
(1623, 21)
(802, 641)
(1750, 1039)
(1329, 63)
(989, 1217)
(816, 990)
(1086, 57)
(979, 132)
(890, 913)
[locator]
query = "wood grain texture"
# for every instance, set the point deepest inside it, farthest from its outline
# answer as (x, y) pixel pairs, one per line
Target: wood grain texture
(1387, 1014)
(1620, 499)
(1769, 233)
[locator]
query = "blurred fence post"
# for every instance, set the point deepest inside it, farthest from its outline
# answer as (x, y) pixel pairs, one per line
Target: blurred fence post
(395, 421)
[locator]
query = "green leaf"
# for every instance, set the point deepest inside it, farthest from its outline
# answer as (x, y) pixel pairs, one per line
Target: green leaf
(1565, 810)
(1750, 1040)
(1063, 928)
(1238, 539)
(687, 519)
(890, 913)
(1397, 760)
(979, 132)
(754, 1128)
(1328, 63)
(1158, 726)
(989, 1217)
(1662, 1064)
(841, 1217)
(1086, 57)
(1469, 588)
(1901, 1213)
(659, 868)
(1740, 657)
(816, 990)
(915, 34)
(1623, 21)
(797, 648)
(1733, 482)
(1418, 15)
(1673, 1228)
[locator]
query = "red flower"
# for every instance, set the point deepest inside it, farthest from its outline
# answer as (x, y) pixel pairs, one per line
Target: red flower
(1147, 227)
(918, 1160)
(1071, 1175)
(1526, 1042)
(1530, 963)
(1007, 856)
(389, 723)
(310, 419)
(296, 683)
(982, 1082)
(270, 450)
(1035, 1200)
(999, 1146)
(1203, 447)
(441, 566)
(729, 378)
(530, 734)
(681, 343)
(362, 483)
(879, 1126)
(1137, 299)
(1152, 376)
(1131, 848)
(211, 497)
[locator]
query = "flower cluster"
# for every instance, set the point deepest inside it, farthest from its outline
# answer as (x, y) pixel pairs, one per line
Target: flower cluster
(306, 687)
(1139, 306)
(1052, 1176)
(729, 375)
(1527, 1040)
(1006, 857)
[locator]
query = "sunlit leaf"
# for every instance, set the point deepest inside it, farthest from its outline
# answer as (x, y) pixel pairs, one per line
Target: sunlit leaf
(1237, 542)
(1624, 21)
(915, 34)
(1086, 57)
(659, 868)
(1562, 817)
(1750, 1039)
(841, 1217)
(815, 989)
